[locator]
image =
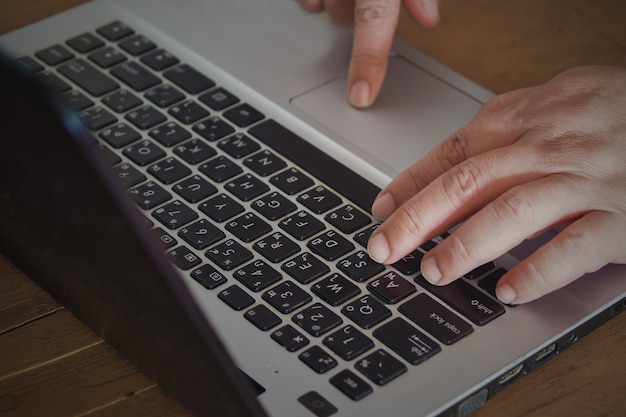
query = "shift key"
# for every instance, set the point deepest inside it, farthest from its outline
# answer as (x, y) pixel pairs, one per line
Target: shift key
(88, 77)
(466, 299)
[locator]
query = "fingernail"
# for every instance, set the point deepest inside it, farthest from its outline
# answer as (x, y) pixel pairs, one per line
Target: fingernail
(430, 270)
(383, 206)
(378, 248)
(431, 8)
(360, 94)
(506, 293)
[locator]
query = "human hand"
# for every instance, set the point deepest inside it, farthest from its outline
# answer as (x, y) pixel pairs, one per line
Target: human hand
(374, 24)
(531, 159)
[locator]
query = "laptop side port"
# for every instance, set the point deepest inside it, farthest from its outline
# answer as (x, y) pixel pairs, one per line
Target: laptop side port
(545, 353)
(473, 403)
(511, 375)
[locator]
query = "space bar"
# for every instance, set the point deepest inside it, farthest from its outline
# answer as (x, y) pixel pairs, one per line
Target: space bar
(317, 163)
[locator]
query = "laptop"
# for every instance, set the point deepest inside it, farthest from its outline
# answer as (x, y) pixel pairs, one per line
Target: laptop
(189, 179)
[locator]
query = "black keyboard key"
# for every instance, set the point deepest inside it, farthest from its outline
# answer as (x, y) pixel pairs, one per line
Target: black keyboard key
(366, 311)
(213, 128)
(144, 152)
(149, 195)
(76, 100)
(229, 254)
(359, 266)
(174, 215)
(436, 319)
(121, 101)
(96, 118)
(159, 60)
(364, 235)
(348, 342)
(286, 297)
(135, 75)
(194, 151)
(219, 99)
(247, 187)
(145, 117)
(183, 258)
(188, 112)
(248, 227)
(137, 45)
(305, 268)
(264, 163)
(481, 270)
(317, 319)
(319, 199)
(490, 282)
(194, 189)
(348, 219)
(238, 145)
(164, 95)
(236, 298)
(170, 134)
(330, 245)
(380, 367)
(391, 287)
(207, 276)
(243, 115)
(290, 338)
(169, 170)
(115, 31)
(411, 263)
(262, 317)
(88, 77)
(318, 359)
(273, 206)
(201, 234)
(335, 289)
(221, 208)
(29, 64)
(128, 175)
(466, 299)
(351, 385)
(52, 82)
(109, 157)
(119, 135)
(189, 79)
(107, 57)
(220, 169)
(408, 342)
(276, 247)
(164, 238)
(301, 225)
(257, 275)
(55, 54)
(86, 42)
(291, 181)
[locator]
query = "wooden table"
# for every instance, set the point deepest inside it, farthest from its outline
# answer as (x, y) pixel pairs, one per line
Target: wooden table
(52, 365)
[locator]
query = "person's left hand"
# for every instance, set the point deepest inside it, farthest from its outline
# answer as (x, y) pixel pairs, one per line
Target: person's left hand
(531, 159)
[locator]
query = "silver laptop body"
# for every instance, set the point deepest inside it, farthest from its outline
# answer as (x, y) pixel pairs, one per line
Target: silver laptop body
(292, 66)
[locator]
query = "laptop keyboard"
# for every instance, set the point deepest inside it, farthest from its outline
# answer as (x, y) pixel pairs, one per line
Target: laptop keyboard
(249, 210)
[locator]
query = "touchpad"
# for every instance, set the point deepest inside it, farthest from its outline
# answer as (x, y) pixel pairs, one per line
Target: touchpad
(415, 111)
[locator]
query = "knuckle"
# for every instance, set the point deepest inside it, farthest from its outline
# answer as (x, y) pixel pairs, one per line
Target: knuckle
(462, 251)
(462, 182)
(454, 149)
(409, 222)
(513, 207)
(369, 57)
(372, 12)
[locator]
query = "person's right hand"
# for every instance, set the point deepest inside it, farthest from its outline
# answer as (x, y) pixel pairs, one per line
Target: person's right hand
(374, 23)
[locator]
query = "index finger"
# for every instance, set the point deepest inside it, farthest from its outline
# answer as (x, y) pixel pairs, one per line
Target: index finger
(375, 23)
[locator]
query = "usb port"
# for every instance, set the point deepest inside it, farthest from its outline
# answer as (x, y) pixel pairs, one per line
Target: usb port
(545, 353)
(511, 375)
